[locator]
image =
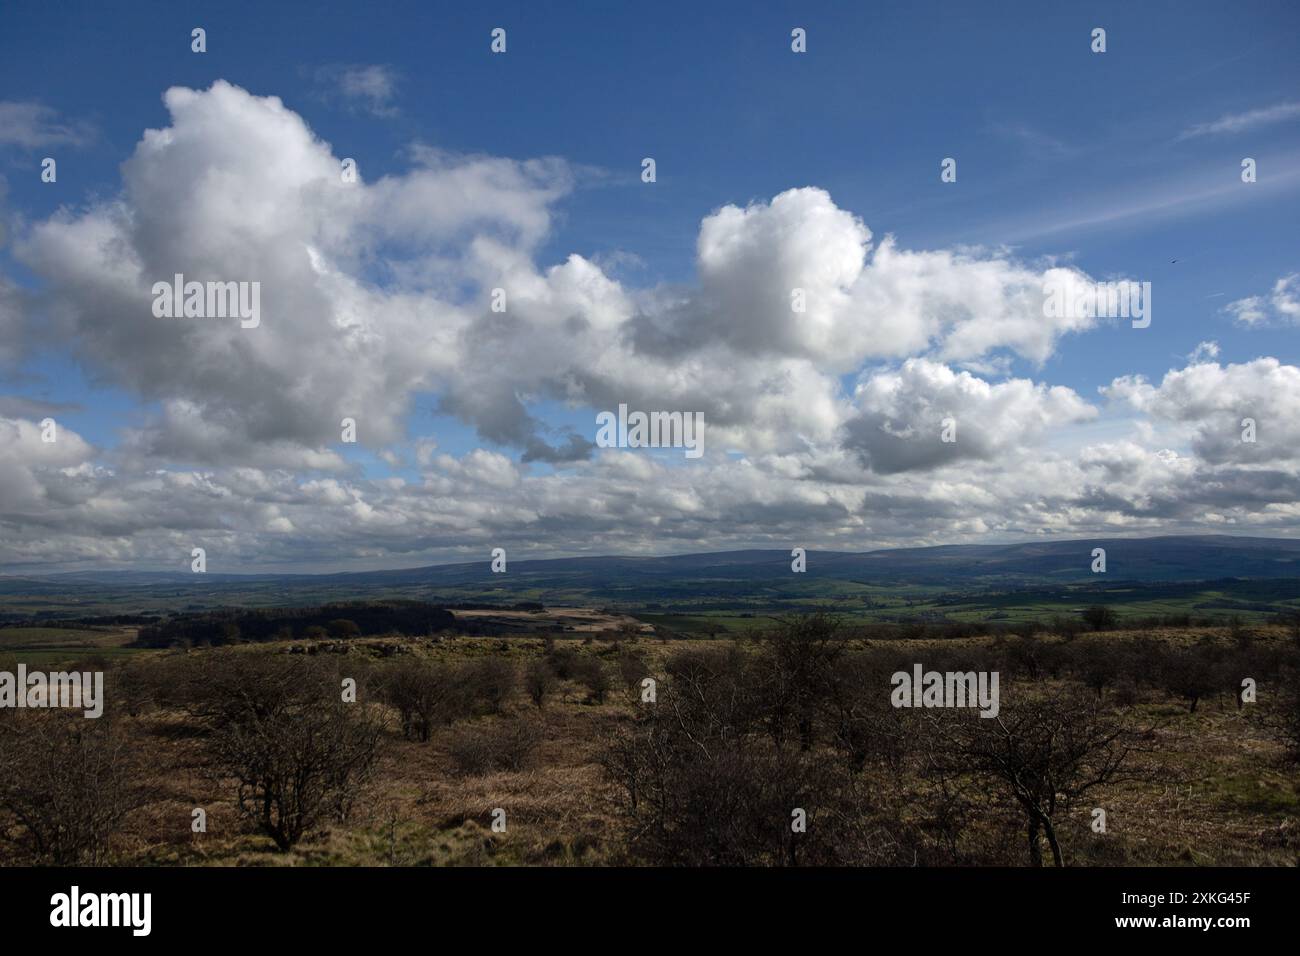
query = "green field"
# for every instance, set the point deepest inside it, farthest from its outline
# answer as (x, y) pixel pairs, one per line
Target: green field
(53, 646)
(697, 595)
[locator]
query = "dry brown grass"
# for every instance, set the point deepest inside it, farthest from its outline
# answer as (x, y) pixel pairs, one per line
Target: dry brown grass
(1217, 789)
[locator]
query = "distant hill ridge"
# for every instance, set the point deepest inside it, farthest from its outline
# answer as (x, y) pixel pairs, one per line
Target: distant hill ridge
(1164, 558)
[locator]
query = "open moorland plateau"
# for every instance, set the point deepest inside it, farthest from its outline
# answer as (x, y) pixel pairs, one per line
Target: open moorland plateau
(670, 711)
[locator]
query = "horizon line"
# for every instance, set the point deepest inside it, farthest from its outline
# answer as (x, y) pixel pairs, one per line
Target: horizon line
(630, 557)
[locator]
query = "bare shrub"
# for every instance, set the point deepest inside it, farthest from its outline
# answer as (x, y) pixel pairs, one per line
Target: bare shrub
(1189, 673)
(797, 667)
(1022, 657)
(1066, 627)
(864, 725)
(490, 682)
(481, 748)
(591, 673)
(697, 794)
(1097, 665)
(632, 668)
(66, 786)
(562, 661)
(714, 773)
(1126, 692)
(1283, 713)
(296, 752)
(1099, 617)
(1043, 755)
(723, 685)
(539, 681)
(132, 685)
(424, 694)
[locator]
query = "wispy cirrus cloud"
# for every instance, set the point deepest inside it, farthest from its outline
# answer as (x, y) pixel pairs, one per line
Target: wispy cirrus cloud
(369, 88)
(1196, 191)
(30, 125)
(1239, 122)
(1035, 141)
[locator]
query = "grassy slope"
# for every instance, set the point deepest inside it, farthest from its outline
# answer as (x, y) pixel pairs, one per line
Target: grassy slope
(1217, 792)
(49, 646)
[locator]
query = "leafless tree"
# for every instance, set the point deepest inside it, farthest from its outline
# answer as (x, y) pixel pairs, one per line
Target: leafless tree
(491, 681)
(1044, 755)
(539, 680)
(1189, 674)
(280, 730)
(66, 786)
(797, 668)
(425, 694)
(593, 675)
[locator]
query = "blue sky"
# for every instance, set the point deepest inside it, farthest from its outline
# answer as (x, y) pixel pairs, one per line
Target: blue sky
(1106, 162)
